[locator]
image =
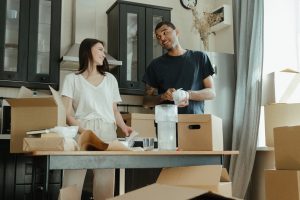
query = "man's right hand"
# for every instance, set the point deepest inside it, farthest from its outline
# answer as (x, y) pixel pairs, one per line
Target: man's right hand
(168, 95)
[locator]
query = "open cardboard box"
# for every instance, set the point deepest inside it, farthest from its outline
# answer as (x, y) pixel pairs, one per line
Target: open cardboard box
(195, 182)
(209, 177)
(158, 191)
(34, 113)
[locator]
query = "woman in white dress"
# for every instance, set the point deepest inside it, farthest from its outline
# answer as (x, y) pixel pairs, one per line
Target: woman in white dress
(91, 96)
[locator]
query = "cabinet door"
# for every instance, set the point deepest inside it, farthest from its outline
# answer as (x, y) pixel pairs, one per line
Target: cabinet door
(153, 17)
(132, 47)
(13, 39)
(44, 41)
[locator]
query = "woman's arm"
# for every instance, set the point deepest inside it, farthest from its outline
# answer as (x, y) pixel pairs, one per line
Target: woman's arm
(71, 121)
(120, 122)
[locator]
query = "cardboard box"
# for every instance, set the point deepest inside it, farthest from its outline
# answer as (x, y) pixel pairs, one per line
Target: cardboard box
(43, 144)
(281, 87)
(34, 113)
(287, 148)
(278, 115)
(141, 123)
(282, 184)
(201, 132)
(207, 177)
(162, 192)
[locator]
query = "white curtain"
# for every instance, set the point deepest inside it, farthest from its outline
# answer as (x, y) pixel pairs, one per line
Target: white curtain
(248, 33)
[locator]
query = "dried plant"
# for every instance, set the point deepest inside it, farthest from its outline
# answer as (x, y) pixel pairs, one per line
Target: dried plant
(203, 23)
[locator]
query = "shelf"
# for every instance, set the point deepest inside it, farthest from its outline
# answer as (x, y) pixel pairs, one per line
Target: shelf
(227, 18)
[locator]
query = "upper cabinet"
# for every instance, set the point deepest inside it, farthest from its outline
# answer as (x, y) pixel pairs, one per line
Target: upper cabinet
(30, 43)
(131, 39)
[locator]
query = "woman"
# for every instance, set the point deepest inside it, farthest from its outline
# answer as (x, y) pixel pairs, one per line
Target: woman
(90, 96)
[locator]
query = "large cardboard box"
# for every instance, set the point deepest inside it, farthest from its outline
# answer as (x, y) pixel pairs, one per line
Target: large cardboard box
(287, 148)
(141, 123)
(278, 115)
(196, 182)
(201, 132)
(162, 192)
(281, 87)
(282, 184)
(34, 113)
(209, 177)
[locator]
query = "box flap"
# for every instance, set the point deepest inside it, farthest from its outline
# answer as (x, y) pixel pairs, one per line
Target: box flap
(25, 93)
(225, 176)
(32, 102)
(191, 176)
(62, 116)
(289, 70)
(162, 192)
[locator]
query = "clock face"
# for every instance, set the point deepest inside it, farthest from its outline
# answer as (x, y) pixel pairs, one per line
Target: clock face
(187, 4)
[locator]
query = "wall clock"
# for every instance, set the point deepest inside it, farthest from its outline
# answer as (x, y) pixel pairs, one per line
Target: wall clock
(187, 4)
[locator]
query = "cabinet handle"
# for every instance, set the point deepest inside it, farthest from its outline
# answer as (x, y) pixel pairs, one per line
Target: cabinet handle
(43, 78)
(41, 188)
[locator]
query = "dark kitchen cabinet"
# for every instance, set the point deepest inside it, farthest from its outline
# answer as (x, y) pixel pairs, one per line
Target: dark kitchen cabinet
(30, 43)
(21, 180)
(131, 39)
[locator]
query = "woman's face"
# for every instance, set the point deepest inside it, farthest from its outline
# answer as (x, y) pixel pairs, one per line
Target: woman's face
(98, 54)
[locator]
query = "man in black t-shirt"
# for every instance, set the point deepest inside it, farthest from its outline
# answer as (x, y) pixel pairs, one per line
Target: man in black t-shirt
(178, 68)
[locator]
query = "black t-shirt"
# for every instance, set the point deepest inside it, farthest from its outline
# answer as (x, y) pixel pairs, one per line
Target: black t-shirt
(186, 71)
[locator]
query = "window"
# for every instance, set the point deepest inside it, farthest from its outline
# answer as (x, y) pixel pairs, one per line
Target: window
(281, 35)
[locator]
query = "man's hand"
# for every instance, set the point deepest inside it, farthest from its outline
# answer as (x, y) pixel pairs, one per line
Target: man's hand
(168, 95)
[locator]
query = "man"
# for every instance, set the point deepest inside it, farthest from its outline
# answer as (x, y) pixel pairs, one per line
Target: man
(178, 68)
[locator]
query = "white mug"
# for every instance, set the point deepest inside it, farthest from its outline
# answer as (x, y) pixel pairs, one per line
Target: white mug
(179, 95)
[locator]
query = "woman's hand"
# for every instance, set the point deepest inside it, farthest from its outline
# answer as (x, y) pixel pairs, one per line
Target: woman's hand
(127, 130)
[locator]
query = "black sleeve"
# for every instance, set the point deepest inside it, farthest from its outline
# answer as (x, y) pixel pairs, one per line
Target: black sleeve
(208, 69)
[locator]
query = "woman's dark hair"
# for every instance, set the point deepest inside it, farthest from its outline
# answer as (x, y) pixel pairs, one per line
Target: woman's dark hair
(85, 55)
(167, 23)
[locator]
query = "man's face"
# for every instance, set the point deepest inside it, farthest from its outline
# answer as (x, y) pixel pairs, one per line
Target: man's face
(167, 37)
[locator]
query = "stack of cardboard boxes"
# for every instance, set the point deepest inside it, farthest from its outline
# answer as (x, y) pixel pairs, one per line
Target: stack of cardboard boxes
(284, 182)
(282, 131)
(281, 101)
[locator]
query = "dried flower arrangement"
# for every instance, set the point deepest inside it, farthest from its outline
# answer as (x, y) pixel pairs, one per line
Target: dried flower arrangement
(203, 23)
